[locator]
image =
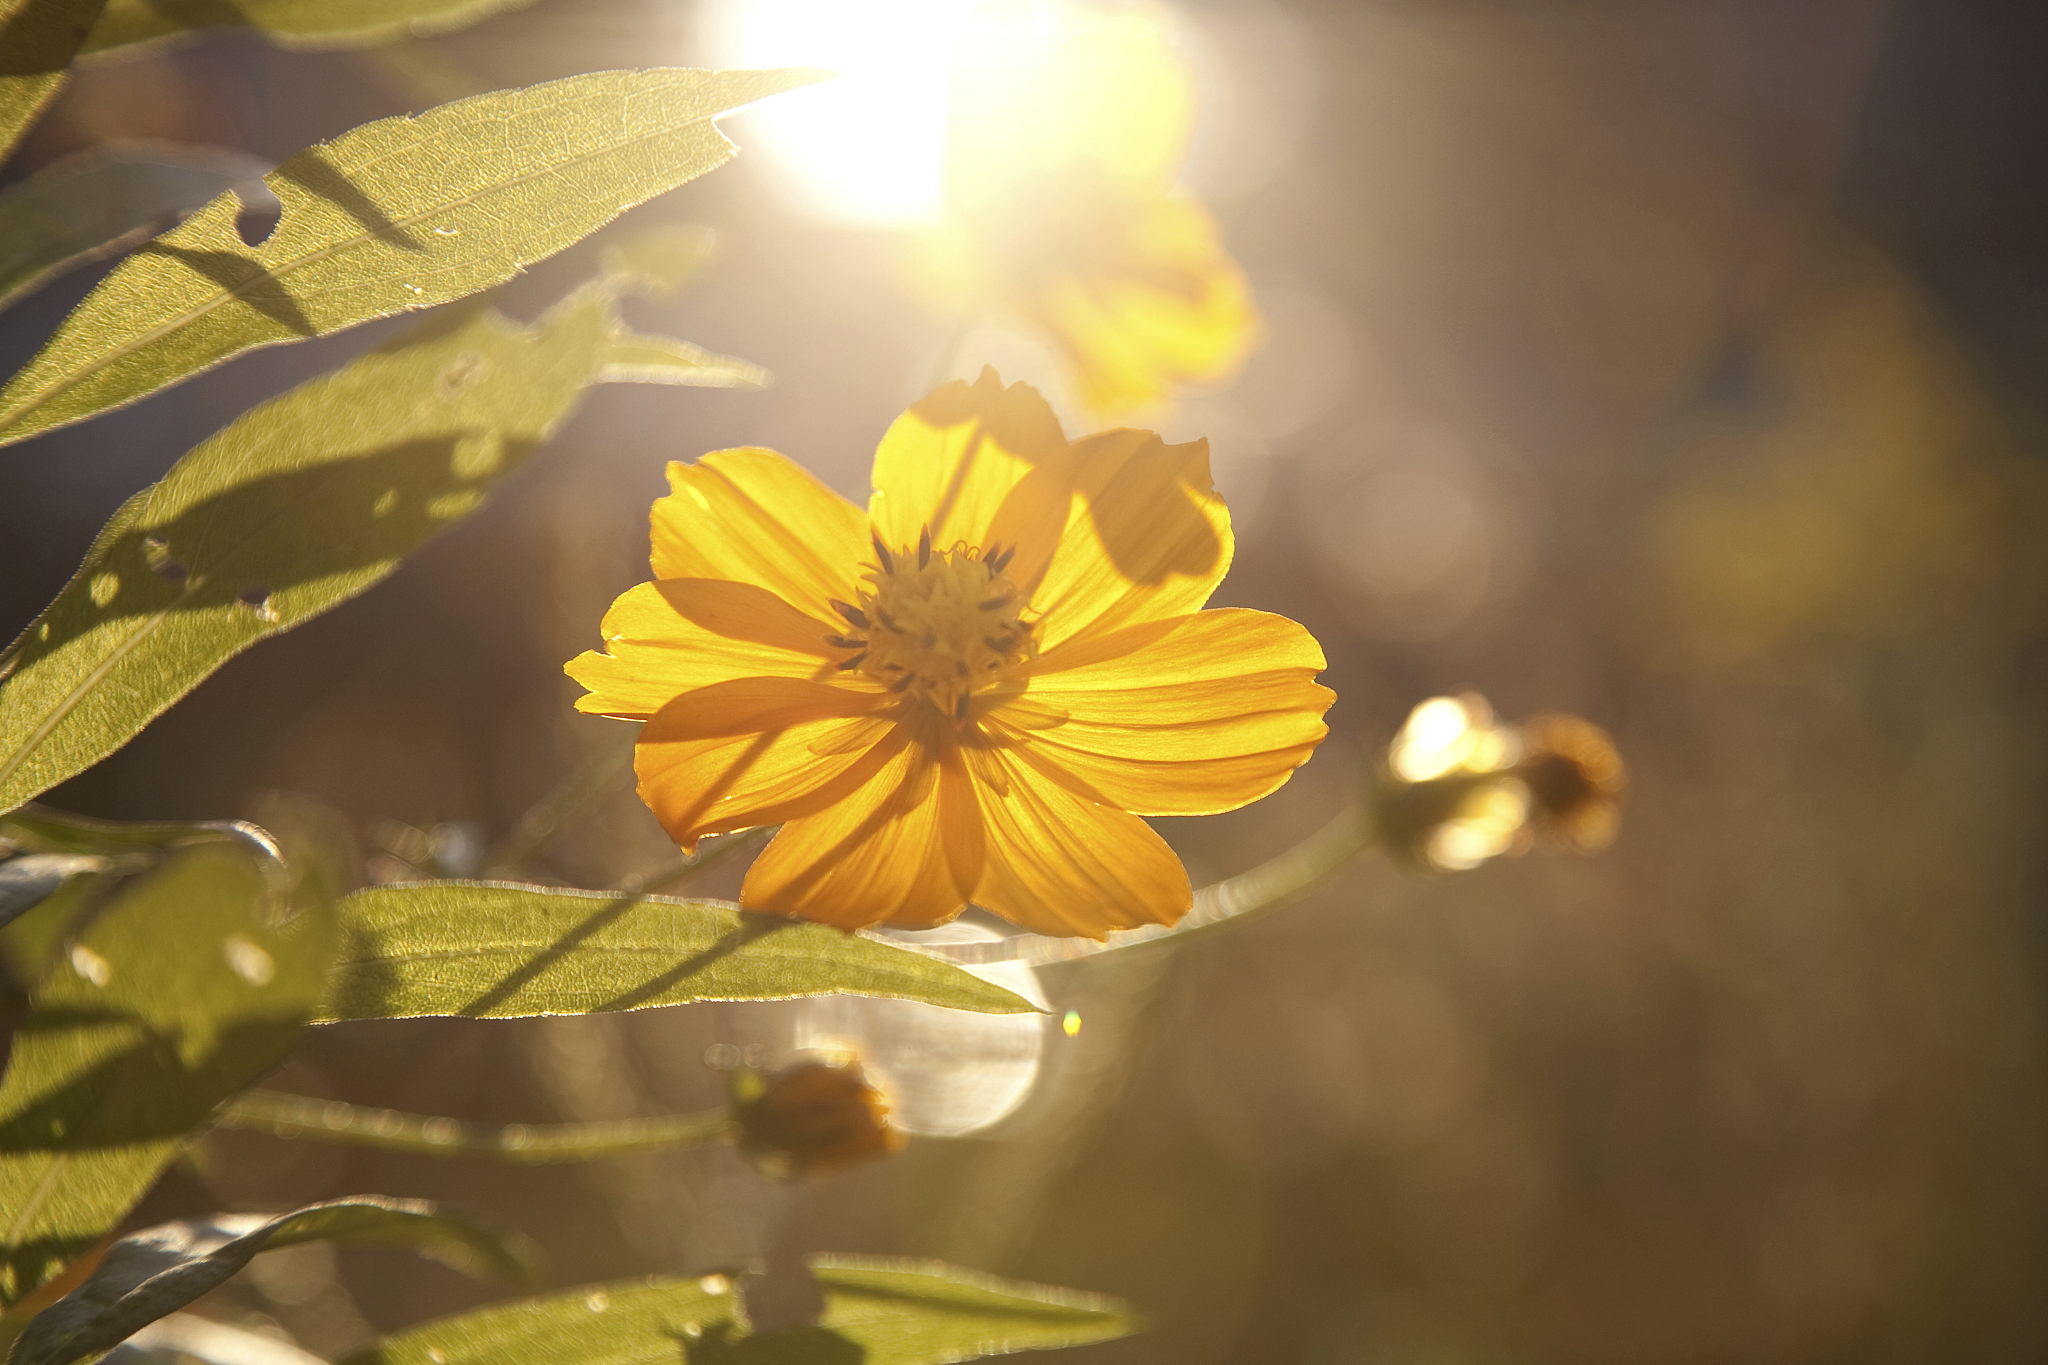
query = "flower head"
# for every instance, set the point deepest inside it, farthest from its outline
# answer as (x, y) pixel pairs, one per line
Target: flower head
(813, 1116)
(968, 693)
(1574, 778)
(1460, 788)
(1062, 210)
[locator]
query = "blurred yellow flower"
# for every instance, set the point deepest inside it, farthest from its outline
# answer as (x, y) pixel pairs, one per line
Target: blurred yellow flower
(967, 693)
(1061, 208)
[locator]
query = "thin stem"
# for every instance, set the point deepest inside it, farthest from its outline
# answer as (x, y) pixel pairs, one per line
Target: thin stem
(708, 855)
(270, 1111)
(1233, 900)
(572, 798)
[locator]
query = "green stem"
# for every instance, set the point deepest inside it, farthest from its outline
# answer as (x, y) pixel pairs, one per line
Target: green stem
(708, 855)
(571, 799)
(1233, 900)
(270, 1111)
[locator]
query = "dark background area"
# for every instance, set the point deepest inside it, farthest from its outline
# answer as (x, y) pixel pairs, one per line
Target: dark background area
(1678, 365)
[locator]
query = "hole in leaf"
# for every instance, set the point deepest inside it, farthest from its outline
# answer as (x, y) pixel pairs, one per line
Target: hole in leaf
(259, 213)
(158, 555)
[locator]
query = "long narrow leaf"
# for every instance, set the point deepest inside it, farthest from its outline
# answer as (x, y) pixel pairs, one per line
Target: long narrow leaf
(38, 39)
(490, 950)
(157, 1271)
(299, 505)
(399, 214)
(104, 199)
(876, 1313)
(179, 992)
(303, 24)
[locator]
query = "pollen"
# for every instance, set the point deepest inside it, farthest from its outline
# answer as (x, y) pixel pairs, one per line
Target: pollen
(937, 625)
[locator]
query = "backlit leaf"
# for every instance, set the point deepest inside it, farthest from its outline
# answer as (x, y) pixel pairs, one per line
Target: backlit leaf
(876, 1312)
(399, 214)
(176, 993)
(636, 359)
(488, 949)
(304, 24)
(38, 39)
(159, 1270)
(104, 199)
(297, 506)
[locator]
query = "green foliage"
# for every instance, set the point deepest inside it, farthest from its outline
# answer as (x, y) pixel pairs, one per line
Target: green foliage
(876, 1313)
(150, 1274)
(488, 950)
(635, 358)
(48, 850)
(304, 24)
(38, 39)
(297, 506)
(150, 1001)
(104, 199)
(399, 214)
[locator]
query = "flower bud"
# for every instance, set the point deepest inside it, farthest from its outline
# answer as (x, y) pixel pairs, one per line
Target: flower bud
(1459, 788)
(1574, 778)
(1448, 797)
(810, 1117)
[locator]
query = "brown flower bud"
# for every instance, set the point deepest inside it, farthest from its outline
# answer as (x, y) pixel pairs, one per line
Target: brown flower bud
(1574, 778)
(814, 1116)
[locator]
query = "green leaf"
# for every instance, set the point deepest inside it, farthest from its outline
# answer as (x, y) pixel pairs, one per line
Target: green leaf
(637, 359)
(98, 853)
(299, 505)
(177, 992)
(877, 1312)
(105, 199)
(659, 260)
(159, 1270)
(303, 24)
(38, 39)
(492, 950)
(399, 214)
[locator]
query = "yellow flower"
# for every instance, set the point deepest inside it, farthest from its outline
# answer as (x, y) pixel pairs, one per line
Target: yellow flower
(1062, 210)
(965, 693)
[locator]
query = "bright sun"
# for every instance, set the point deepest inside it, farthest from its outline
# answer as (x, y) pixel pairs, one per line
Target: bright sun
(868, 147)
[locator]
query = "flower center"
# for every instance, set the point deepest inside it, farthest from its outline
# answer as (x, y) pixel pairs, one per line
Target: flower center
(940, 625)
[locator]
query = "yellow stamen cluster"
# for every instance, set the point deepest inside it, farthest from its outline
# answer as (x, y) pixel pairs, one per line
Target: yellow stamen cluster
(939, 625)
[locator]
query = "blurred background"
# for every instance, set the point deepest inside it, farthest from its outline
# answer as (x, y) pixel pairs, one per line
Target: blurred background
(1681, 365)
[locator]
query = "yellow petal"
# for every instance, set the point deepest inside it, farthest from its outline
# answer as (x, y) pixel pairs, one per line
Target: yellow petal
(1213, 714)
(1148, 538)
(951, 460)
(904, 846)
(757, 751)
(671, 637)
(757, 517)
(1060, 864)
(1163, 306)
